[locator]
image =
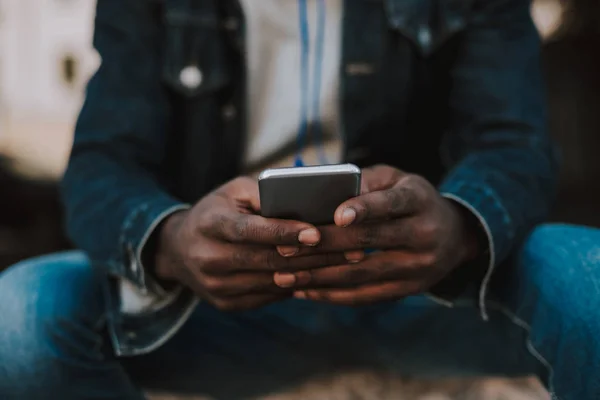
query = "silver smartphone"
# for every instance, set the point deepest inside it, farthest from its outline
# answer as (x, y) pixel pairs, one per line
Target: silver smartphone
(308, 194)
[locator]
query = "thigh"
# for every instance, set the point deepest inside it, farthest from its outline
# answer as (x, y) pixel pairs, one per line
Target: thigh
(240, 355)
(552, 288)
(37, 293)
(52, 333)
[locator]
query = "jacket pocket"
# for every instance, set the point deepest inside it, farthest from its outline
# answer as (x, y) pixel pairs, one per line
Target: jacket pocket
(195, 48)
(428, 24)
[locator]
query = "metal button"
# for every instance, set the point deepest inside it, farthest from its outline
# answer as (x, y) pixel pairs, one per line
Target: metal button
(229, 112)
(425, 36)
(191, 77)
(231, 24)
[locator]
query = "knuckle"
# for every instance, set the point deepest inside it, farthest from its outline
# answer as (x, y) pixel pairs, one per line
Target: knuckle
(274, 261)
(241, 229)
(214, 286)
(239, 257)
(394, 199)
(216, 222)
(204, 222)
(426, 233)
(208, 260)
(413, 181)
(278, 232)
(368, 236)
(193, 257)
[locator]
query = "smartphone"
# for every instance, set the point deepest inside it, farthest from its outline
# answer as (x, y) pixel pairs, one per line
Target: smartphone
(308, 194)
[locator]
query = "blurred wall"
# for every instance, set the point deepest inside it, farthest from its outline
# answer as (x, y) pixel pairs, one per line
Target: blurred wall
(46, 58)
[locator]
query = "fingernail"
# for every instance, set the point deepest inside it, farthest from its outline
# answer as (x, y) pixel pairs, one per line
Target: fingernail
(348, 216)
(287, 251)
(300, 295)
(284, 280)
(354, 256)
(309, 237)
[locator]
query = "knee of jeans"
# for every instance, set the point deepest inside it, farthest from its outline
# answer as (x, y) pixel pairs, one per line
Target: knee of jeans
(563, 264)
(39, 300)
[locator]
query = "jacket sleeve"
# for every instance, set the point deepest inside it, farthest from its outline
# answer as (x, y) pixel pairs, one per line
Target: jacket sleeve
(504, 164)
(113, 188)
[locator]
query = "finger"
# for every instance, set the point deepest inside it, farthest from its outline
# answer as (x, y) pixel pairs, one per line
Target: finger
(237, 227)
(244, 303)
(379, 177)
(363, 295)
(390, 265)
(229, 259)
(351, 256)
(382, 235)
(399, 201)
(241, 284)
(242, 189)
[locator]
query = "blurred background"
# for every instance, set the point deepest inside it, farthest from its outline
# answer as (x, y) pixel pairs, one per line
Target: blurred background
(46, 58)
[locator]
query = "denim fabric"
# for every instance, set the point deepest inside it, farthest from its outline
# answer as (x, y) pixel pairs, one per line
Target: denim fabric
(54, 344)
(451, 90)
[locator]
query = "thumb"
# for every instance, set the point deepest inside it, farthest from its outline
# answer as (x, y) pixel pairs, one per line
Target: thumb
(379, 177)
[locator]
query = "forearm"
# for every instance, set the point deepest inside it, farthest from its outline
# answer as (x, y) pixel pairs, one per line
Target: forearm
(503, 166)
(114, 188)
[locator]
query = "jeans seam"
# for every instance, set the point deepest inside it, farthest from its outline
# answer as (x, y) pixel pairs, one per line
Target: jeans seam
(483, 289)
(528, 344)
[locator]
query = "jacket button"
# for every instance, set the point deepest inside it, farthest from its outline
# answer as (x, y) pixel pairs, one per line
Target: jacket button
(191, 77)
(229, 112)
(231, 24)
(424, 36)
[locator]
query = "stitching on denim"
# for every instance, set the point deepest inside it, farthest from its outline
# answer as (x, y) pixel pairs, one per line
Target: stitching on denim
(129, 222)
(439, 300)
(530, 347)
(120, 349)
(507, 219)
(492, 264)
(149, 283)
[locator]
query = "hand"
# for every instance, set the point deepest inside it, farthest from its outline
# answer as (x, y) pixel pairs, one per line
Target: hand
(422, 237)
(226, 253)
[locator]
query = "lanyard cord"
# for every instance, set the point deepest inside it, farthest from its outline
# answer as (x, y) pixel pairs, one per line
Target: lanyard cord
(304, 80)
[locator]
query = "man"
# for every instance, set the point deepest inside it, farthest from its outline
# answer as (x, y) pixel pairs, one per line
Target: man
(184, 286)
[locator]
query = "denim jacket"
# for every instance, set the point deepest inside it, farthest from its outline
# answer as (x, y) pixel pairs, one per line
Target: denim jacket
(449, 89)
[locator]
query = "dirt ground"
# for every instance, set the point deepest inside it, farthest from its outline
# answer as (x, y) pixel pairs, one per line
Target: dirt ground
(368, 386)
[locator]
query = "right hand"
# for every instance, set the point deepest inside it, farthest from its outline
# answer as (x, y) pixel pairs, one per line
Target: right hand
(227, 254)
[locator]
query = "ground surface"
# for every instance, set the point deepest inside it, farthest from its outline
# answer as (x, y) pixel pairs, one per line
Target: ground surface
(367, 386)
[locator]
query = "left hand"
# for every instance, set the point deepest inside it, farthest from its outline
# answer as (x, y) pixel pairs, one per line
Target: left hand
(421, 237)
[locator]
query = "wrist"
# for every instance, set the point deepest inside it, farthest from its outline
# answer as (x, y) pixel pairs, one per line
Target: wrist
(469, 232)
(165, 255)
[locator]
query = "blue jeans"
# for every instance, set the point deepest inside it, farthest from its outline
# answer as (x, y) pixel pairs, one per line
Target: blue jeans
(544, 320)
